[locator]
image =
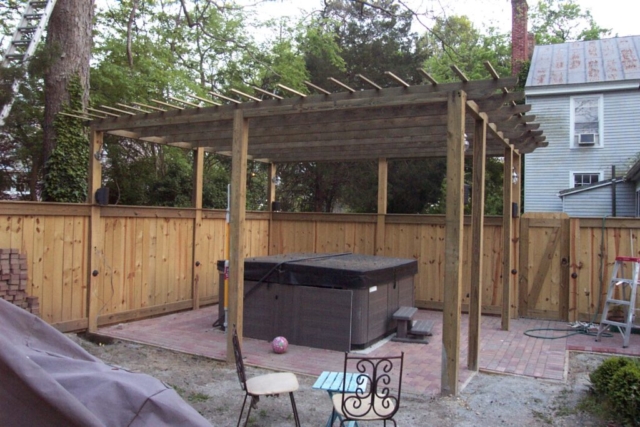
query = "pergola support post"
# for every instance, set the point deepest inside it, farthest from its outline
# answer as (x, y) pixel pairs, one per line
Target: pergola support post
(453, 242)
(383, 168)
(237, 213)
(96, 243)
(515, 238)
(507, 237)
(271, 197)
(196, 198)
(477, 237)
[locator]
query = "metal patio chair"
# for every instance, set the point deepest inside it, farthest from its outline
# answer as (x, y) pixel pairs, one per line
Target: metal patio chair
(263, 385)
(377, 397)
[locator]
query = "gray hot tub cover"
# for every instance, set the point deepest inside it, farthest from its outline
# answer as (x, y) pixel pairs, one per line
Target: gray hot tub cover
(48, 380)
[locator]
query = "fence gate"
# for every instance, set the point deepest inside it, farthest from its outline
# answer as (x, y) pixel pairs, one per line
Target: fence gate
(544, 266)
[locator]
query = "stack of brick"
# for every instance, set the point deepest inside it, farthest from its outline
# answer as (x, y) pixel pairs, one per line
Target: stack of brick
(13, 281)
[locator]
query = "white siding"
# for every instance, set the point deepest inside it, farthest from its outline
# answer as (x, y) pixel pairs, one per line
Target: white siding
(547, 170)
(597, 202)
(626, 200)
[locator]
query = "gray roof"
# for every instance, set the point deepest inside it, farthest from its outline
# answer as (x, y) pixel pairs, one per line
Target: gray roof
(634, 173)
(589, 187)
(608, 60)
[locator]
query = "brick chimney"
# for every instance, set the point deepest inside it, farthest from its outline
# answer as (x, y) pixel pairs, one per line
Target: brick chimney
(519, 36)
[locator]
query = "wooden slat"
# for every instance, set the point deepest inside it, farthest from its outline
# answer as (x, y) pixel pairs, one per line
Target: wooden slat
(96, 233)
(383, 172)
(524, 268)
(149, 106)
(246, 95)
(265, 92)
(317, 88)
(292, 91)
(342, 85)
(166, 104)
(198, 183)
(369, 82)
(397, 79)
(118, 110)
(205, 100)
(575, 267)
(543, 266)
(226, 98)
(138, 299)
(428, 77)
(185, 102)
(67, 269)
(565, 271)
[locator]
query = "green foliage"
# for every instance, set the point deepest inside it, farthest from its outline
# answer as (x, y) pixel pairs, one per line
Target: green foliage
(624, 394)
(560, 21)
(616, 384)
(372, 40)
(455, 40)
(67, 168)
(602, 377)
(493, 202)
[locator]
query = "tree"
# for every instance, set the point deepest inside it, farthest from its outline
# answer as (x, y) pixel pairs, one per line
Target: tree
(454, 40)
(68, 43)
(560, 21)
(353, 38)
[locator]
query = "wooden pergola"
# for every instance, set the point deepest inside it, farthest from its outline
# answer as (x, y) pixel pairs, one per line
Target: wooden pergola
(430, 120)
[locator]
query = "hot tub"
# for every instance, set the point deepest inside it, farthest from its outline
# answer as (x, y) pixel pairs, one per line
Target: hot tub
(332, 301)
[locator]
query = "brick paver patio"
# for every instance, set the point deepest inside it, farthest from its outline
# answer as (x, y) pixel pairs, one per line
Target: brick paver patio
(505, 352)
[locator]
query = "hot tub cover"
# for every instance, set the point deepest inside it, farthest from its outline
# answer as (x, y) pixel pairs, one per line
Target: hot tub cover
(48, 380)
(345, 270)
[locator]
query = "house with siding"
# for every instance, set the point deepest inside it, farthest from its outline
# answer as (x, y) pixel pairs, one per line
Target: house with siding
(586, 96)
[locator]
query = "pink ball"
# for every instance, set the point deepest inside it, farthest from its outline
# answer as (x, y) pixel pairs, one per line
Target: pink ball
(279, 345)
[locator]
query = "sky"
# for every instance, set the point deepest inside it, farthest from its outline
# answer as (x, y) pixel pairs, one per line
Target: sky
(621, 16)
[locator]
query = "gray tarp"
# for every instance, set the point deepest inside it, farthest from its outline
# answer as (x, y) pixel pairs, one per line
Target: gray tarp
(48, 380)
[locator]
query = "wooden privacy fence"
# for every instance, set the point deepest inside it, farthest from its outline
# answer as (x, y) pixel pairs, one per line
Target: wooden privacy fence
(151, 257)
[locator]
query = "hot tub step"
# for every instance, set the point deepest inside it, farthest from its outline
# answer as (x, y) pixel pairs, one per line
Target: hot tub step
(421, 328)
(404, 316)
(405, 313)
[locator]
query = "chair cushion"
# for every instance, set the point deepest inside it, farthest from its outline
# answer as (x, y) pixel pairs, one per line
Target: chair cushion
(364, 411)
(282, 382)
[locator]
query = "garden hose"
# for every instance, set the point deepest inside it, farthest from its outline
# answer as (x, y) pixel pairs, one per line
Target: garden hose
(581, 329)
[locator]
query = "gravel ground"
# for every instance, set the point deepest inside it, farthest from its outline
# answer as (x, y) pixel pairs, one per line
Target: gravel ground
(212, 388)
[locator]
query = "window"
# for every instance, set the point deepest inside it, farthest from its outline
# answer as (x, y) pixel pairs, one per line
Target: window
(586, 121)
(581, 179)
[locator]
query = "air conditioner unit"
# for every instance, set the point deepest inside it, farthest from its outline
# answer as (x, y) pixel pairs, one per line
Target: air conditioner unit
(586, 139)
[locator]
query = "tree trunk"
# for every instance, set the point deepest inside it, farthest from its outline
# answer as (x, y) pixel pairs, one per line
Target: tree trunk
(69, 44)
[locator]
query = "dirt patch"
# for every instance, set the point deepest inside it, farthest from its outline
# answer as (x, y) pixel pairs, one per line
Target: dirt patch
(212, 388)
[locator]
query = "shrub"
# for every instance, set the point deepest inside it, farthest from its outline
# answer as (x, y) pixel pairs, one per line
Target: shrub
(616, 383)
(602, 377)
(624, 394)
